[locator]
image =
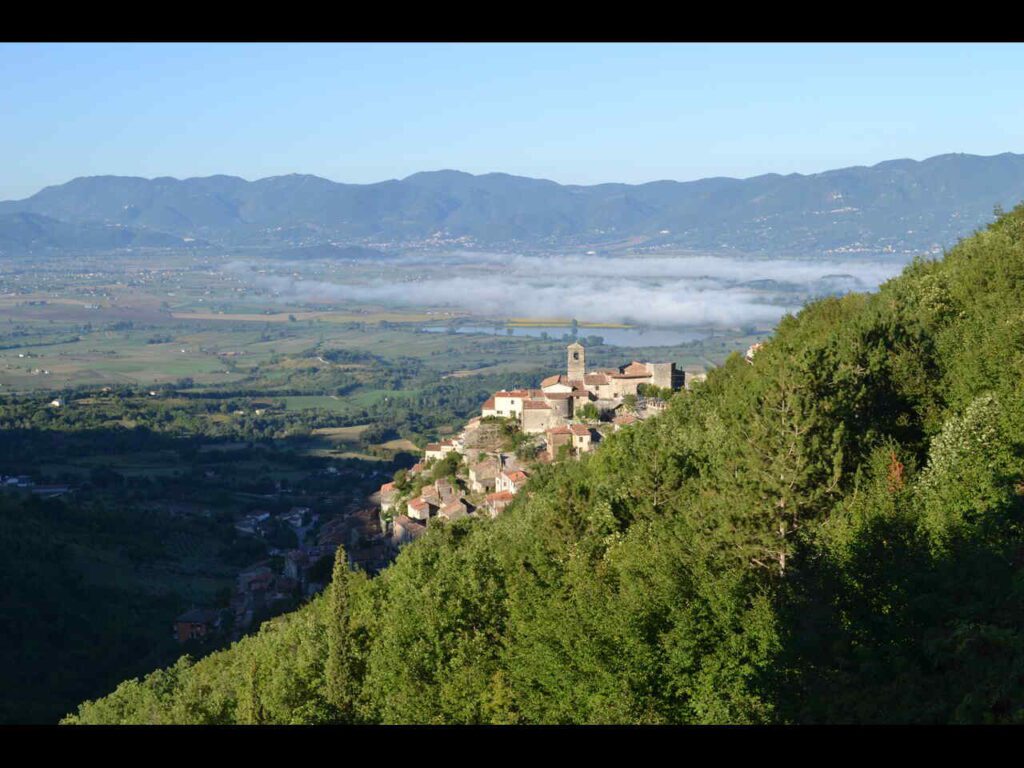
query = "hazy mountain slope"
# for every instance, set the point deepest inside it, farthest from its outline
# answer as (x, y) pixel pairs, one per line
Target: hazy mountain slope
(832, 533)
(33, 233)
(900, 204)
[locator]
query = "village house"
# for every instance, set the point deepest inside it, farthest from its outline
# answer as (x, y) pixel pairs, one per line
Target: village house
(196, 624)
(253, 523)
(405, 530)
(19, 481)
(439, 450)
(556, 438)
(430, 494)
(582, 438)
(553, 410)
(496, 502)
(561, 397)
(255, 579)
(510, 480)
(624, 420)
(388, 494)
(483, 474)
(445, 490)
(420, 509)
(455, 509)
(298, 563)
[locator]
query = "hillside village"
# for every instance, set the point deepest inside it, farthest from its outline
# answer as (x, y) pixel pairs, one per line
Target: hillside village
(481, 469)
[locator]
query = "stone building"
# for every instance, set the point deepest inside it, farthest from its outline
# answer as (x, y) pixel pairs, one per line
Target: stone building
(562, 396)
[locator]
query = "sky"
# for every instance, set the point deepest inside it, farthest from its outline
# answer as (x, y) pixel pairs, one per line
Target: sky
(574, 113)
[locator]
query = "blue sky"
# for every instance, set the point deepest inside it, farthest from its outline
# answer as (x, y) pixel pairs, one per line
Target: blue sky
(575, 113)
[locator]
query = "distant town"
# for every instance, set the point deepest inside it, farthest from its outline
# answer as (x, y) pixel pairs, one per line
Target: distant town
(481, 469)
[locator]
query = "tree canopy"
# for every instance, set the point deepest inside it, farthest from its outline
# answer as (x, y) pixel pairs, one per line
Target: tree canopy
(829, 533)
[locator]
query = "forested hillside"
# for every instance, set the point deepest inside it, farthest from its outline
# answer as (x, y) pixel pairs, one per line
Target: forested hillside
(832, 533)
(897, 204)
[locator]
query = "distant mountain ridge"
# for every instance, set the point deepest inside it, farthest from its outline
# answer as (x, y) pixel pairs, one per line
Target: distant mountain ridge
(32, 232)
(895, 205)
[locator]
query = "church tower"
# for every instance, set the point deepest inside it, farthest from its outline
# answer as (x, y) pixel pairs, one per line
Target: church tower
(577, 362)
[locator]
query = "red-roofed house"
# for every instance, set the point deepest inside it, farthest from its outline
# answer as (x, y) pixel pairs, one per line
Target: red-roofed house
(557, 383)
(454, 510)
(582, 438)
(557, 437)
(497, 502)
(510, 480)
(420, 509)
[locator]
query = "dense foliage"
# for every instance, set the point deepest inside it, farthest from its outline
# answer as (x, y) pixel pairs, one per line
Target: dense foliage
(831, 533)
(91, 572)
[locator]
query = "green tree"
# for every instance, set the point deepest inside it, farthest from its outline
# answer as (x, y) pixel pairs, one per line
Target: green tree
(342, 668)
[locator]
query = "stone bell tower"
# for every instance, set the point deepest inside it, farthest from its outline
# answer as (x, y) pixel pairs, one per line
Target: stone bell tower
(577, 362)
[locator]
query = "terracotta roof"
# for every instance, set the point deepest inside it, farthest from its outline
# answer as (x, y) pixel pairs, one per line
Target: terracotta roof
(419, 504)
(488, 404)
(557, 395)
(453, 506)
(387, 487)
(517, 477)
(595, 378)
(556, 379)
(637, 368)
(433, 447)
(535, 405)
(515, 393)
(626, 418)
(562, 430)
(579, 430)
(500, 496)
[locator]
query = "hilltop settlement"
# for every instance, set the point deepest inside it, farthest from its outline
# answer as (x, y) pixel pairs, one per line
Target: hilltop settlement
(481, 469)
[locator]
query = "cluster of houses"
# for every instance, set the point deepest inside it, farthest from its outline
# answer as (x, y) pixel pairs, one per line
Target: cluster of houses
(260, 592)
(562, 397)
(16, 481)
(257, 522)
(486, 479)
(484, 485)
(26, 483)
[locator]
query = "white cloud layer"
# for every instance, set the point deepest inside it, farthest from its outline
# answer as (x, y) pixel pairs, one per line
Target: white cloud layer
(656, 291)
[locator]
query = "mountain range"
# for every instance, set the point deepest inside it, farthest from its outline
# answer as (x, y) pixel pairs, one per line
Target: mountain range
(895, 206)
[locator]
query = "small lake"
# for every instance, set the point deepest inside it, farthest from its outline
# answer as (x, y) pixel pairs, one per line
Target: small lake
(616, 337)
